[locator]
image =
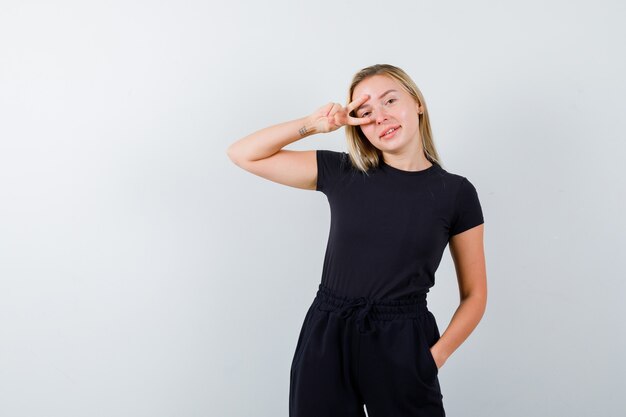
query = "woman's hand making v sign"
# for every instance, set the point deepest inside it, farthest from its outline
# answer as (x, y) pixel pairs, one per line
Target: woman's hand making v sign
(333, 115)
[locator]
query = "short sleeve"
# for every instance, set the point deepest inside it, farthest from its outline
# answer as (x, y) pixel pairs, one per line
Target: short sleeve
(330, 165)
(467, 209)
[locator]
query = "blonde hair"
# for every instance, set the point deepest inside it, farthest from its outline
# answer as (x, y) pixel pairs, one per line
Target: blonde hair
(362, 153)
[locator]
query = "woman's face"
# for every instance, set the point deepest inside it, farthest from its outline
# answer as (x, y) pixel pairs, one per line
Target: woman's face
(388, 109)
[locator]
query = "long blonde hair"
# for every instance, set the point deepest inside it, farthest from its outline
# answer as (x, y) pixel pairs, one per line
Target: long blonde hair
(362, 153)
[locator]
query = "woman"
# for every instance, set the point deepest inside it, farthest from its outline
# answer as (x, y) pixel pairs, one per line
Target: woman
(368, 337)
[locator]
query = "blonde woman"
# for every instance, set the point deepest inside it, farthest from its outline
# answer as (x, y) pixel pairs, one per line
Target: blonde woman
(368, 336)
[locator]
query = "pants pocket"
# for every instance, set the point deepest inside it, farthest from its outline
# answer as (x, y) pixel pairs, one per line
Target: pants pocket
(429, 334)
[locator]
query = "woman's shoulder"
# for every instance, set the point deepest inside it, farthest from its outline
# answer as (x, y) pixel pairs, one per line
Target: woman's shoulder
(333, 159)
(332, 166)
(330, 154)
(451, 175)
(456, 182)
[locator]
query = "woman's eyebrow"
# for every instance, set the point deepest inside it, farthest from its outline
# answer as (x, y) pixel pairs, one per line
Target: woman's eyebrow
(381, 96)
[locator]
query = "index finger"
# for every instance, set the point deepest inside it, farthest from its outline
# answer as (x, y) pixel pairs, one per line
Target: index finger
(355, 104)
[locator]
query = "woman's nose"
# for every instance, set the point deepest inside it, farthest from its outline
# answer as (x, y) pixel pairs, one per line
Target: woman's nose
(381, 116)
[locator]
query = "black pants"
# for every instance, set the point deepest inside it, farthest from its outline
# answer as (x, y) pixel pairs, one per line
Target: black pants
(355, 351)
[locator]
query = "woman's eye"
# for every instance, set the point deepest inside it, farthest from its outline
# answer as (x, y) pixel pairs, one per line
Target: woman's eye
(388, 101)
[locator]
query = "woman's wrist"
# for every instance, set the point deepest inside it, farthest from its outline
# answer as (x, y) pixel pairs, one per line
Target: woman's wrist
(307, 127)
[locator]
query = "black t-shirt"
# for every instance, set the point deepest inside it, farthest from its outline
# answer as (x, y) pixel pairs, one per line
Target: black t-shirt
(389, 227)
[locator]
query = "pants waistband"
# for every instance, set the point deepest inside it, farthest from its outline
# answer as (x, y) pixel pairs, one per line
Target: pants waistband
(368, 309)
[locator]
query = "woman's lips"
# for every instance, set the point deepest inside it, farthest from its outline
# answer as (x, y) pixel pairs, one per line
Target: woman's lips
(390, 135)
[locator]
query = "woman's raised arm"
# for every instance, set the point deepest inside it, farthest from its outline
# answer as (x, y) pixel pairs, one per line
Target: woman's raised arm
(262, 153)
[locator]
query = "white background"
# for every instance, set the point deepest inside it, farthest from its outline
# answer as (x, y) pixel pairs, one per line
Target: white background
(142, 273)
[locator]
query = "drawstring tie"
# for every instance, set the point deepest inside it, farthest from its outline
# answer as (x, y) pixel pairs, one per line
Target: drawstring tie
(363, 306)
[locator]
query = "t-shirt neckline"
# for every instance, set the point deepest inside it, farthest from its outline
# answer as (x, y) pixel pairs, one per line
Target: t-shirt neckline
(408, 173)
